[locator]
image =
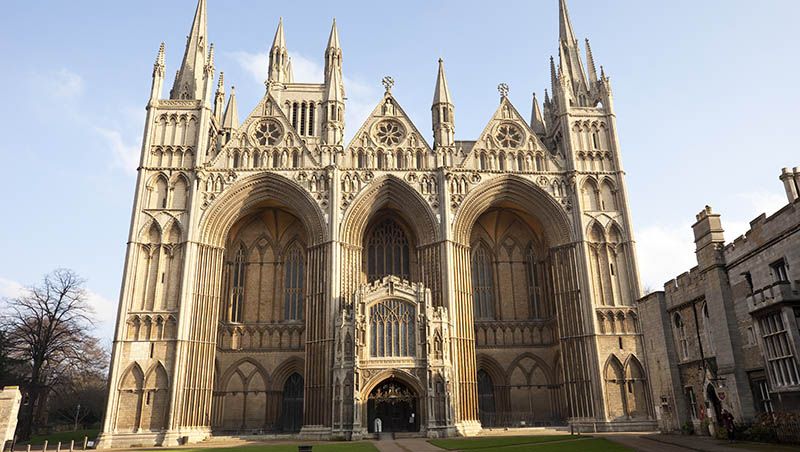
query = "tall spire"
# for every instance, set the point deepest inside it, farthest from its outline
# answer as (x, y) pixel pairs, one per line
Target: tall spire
(442, 111)
(188, 83)
(279, 63)
(565, 32)
(570, 60)
(231, 119)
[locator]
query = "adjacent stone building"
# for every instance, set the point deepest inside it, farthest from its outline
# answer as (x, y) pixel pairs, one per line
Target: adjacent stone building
(281, 280)
(726, 335)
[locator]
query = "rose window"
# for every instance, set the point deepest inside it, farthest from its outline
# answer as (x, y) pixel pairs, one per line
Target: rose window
(268, 133)
(509, 136)
(390, 133)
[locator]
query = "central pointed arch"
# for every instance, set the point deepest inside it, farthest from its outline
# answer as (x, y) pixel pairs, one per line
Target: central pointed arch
(393, 193)
(517, 191)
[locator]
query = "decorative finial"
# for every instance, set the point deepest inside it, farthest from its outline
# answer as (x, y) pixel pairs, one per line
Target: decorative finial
(388, 83)
(221, 82)
(503, 89)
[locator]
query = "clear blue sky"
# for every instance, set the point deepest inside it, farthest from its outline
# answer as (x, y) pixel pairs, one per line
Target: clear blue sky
(705, 94)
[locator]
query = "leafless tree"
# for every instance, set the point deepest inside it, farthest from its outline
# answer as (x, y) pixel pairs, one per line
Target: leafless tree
(48, 330)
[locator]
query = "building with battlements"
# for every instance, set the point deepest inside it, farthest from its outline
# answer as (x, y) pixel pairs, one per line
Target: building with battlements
(281, 280)
(727, 333)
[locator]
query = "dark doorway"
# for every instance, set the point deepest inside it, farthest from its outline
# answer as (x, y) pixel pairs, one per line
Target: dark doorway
(395, 404)
(715, 404)
(486, 409)
(291, 419)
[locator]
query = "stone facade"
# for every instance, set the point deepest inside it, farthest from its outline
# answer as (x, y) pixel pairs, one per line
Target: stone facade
(10, 399)
(281, 281)
(727, 332)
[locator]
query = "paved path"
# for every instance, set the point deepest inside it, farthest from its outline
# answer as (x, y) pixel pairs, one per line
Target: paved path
(406, 445)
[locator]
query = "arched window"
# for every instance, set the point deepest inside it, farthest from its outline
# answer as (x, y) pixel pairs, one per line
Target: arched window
(521, 162)
(482, 160)
(392, 329)
(534, 298)
(311, 108)
(485, 398)
(295, 108)
(237, 286)
(361, 160)
(388, 252)
(482, 283)
(295, 159)
(158, 196)
(420, 161)
(303, 119)
(683, 342)
(293, 269)
(502, 160)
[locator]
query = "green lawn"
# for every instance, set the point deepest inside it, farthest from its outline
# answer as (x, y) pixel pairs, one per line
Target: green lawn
(558, 443)
(494, 441)
(64, 437)
(354, 446)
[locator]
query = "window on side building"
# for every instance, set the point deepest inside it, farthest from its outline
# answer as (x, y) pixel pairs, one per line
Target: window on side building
(781, 363)
(779, 271)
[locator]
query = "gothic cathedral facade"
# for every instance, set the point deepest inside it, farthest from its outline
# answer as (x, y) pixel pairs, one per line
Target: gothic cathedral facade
(279, 280)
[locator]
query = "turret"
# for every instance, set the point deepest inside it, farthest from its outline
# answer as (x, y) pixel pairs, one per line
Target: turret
(219, 99)
(333, 124)
(159, 70)
(537, 119)
(230, 120)
(189, 79)
(443, 112)
(280, 66)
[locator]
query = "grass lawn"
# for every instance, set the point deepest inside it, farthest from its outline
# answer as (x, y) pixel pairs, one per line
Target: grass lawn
(354, 446)
(535, 443)
(494, 441)
(64, 437)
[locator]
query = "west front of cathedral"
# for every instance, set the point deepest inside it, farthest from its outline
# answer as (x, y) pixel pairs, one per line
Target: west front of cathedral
(281, 281)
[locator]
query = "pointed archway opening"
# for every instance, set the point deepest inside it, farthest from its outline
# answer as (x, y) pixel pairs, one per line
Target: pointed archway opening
(392, 406)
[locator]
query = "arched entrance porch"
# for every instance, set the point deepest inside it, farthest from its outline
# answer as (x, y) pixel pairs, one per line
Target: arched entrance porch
(394, 405)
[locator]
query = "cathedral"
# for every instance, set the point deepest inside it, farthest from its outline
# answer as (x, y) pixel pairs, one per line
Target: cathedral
(282, 281)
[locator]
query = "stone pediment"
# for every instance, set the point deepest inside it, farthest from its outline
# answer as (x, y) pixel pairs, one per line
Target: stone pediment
(509, 135)
(388, 128)
(266, 139)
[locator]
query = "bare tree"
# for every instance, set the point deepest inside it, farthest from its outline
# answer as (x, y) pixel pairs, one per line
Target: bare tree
(48, 331)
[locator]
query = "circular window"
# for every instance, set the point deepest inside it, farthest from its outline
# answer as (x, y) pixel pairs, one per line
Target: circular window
(509, 136)
(390, 133)
(268, 132)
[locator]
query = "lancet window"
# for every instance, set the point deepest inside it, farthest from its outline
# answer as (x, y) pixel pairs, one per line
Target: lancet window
(388, 252)
(293, 284)
(482, 283)
(392, 329)
(237, 273)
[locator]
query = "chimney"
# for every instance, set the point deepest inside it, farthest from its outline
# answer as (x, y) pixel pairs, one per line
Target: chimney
(791, 182)
(708, 238)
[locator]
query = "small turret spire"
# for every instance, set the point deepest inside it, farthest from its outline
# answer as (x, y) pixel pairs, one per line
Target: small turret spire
(537, 119)
(590, 63)
(333, 52)
(280, 67)
(442, 111)
(219, 98)
(188, 83)
(442, 93)
(159, 70)
(230, 120)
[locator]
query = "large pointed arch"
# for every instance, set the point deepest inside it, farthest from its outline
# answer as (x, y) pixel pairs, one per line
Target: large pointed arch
(389, 192)
(518, 191)
(252, 193)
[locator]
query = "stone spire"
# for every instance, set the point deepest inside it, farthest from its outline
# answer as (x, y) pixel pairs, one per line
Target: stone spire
(333, 52)
(280, 66)
(230, 120)
(537, 119)
(442, 111)
(219, 98)
(189, 81)
(159, 70)
(590, 63)
(570, 64)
